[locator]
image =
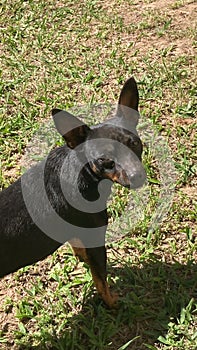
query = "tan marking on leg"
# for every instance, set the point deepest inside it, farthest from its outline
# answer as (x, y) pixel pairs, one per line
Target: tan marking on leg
(101, 286)
(79, 249)
(104, 291)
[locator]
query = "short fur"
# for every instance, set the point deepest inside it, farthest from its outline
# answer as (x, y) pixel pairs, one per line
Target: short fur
(22, 242)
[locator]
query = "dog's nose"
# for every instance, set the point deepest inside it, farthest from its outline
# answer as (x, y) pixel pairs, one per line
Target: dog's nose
(137, 179)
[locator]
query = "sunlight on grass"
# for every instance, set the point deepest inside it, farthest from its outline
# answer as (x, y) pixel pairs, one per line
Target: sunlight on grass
(65, 54)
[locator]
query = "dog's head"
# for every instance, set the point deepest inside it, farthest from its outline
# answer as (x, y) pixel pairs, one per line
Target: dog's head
(113, 149)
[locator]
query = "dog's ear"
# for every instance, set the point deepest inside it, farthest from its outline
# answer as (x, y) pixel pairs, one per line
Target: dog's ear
(73, 130)
(129, 96)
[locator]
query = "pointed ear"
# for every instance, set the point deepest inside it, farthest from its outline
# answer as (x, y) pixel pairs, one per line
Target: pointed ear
(129, 96)
(73, 130)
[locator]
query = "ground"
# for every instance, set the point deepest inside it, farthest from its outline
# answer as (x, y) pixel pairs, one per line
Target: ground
(63, 53)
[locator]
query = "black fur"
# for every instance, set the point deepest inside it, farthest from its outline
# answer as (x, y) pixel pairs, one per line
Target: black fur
(22, 242)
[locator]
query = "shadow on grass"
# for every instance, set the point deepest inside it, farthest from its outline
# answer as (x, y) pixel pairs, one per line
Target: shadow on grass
(151, 296)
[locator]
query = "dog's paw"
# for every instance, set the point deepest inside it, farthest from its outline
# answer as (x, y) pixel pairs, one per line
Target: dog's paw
(112, 301)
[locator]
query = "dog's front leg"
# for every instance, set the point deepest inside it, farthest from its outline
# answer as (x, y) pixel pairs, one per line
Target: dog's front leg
(96, 259)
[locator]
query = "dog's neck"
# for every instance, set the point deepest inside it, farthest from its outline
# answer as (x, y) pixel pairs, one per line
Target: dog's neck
(63, 177)
(91, 186)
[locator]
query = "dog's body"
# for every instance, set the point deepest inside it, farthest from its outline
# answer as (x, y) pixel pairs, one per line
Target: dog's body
(24, 237)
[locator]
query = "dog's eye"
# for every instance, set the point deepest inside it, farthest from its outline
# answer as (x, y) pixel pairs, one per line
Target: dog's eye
(134, 143)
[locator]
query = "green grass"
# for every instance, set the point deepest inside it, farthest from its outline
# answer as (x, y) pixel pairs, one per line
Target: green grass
(73, 53)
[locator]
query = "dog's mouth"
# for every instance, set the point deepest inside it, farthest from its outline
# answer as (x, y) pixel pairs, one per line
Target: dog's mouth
(133, 181)
(108, 169)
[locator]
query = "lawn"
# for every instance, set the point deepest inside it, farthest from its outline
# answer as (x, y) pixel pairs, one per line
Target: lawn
(67, 54)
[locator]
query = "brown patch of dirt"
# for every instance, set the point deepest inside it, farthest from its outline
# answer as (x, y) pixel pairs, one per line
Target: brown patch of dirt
(190, 192)
(182, 19)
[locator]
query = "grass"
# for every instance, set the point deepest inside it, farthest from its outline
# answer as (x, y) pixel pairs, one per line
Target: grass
(66, 54)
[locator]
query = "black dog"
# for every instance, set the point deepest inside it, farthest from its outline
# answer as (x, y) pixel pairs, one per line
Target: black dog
(34, 217)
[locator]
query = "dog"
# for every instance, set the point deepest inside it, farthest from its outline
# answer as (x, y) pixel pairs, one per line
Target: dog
(33, 221)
